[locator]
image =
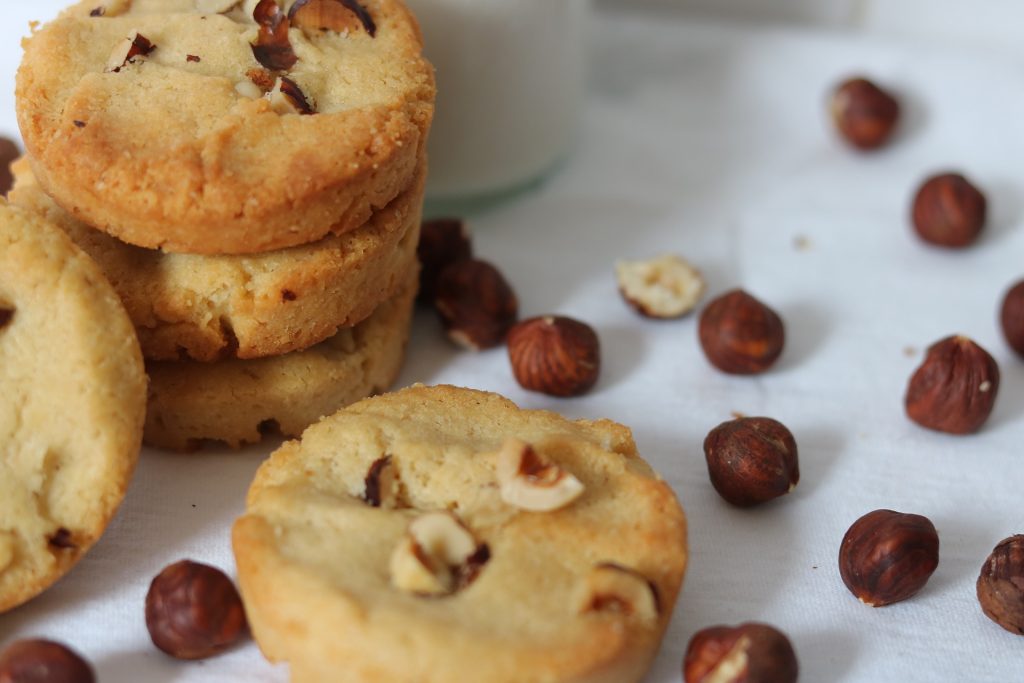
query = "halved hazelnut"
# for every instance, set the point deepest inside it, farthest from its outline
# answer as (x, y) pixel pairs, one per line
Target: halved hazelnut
(272, 48)
(529, 483)
(664, 287)
(288, 98)
(612, 588)
(126, 52)
(341, 16)
(216, 6)
(428, 560)
(382, 484)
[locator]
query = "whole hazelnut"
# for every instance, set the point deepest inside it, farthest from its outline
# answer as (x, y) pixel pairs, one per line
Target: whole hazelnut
(740, 335)
(864, 114)
(1001, 585)
(43, 661)
(748, 653)
(949, 211)
(443, 241)
(1011, 318)
(555, 355)
(476, 304)
(193, 611)
(752, 460)
(955, 388)
(888, 556)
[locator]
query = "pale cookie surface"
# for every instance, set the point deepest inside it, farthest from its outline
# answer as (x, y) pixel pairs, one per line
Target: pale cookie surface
(405, 496)
(71, 404)
(210, 307)
(235, 401)
(181, 147)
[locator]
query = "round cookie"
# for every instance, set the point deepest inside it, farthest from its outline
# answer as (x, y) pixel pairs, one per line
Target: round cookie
(236, 401)
(440, 534)
(151, 120)
(71, 408)
(205, 308)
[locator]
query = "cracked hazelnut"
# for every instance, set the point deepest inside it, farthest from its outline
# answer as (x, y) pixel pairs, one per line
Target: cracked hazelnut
(949, 211)
(611, 588)
(529, 483)
(555, 355)
(382, 484)
(740, 335)
(1001, 585)
(443, 241)
(888, 556)
(864, 114)
(664, 287)
(340, 16)
(476, 304)
(437, 550)
(752, 460)
(1011, 318)
(43, 661)
(748, 653)
(287, 98)
(955, 388)
(193, 611)
(131, 48)
(273, 48)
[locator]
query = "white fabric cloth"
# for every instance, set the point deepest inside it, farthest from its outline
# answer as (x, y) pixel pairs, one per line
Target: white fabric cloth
(712, 142)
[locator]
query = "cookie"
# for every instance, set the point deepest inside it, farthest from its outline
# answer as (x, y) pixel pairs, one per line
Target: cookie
(152, 120)
(440, 534)
(210, 307)
(237, 401)
(71, 405)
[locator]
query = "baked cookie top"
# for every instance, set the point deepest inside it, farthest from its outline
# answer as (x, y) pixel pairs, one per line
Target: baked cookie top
(225, 127)
(453, 537)
(71, 405)
(208, 308)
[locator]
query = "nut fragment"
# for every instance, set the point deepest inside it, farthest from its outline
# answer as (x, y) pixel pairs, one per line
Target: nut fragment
(1011, 318)
(664, 287)
(433, 554)
(6, 315)
(740, 335)
(382, 484)
(955, 388)
(9, 153)
(748, 653)
(1001, 585)
(555, 355)
(341, 16)
(443, 241)
(248, 89)
(193, 611)
(612, 588)
(888, 556)
(529, 483)
(273, 48)
(288, 98)
(476, 304)
(130, 49)
(43, 661)
(949, 211)
(110, 8)
(864, 114)
(752, 460)
(216, 6)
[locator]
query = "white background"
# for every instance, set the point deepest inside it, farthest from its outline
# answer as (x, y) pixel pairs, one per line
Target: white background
(710, 139)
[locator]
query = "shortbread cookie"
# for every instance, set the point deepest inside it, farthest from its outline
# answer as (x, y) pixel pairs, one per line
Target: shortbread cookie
(237, 401)
(443, 535)
(204, 308)
(72, 396)
(155, 120)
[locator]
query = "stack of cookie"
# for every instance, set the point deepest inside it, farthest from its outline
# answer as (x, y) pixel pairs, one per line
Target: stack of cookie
(250, 177)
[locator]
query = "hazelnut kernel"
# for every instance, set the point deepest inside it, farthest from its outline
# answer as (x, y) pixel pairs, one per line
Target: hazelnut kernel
(752, 460)
(888, 556)
(1001, 585)
(43, 661)
(747, 653)
(954, 390)
(194, 611)
(949, 211)
(664, 287)
(555, 355)
(443, 241)
(740, 335)
(476, 304)
(1011, 318)
(864, 114)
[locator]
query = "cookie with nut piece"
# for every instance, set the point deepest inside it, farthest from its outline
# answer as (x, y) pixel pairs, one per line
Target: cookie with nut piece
(71, 408)
(454, 537)
(226, 128)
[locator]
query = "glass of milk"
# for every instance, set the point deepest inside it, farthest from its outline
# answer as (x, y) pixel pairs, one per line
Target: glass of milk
(510, 77)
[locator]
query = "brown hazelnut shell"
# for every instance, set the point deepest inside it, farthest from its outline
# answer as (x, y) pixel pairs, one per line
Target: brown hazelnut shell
(43, 661)
(555, 355)
(752, 460)
(954, 390)
(1011, 318)
(476, 304)
(740, 335)
(1001, 585)
(864, 114)
(949, 211)
(766, 652)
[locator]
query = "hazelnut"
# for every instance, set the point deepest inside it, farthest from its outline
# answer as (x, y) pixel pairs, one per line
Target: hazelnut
(273, 47)
(6, 315)
(752, 460)
(949, 211)
(443, 241)
(193, 611)
(382, 489)
(665, 287)
(340, 16)
(864, 114)
(133, 46)
(529, 483)
(888, 556)
(955, 388)
(1001, 585)
(555, 355)
(435, 552)
(476, 304)
(611, 588)
(43, 661)
(287, 98)
(9, 153)
(1011, 318)
(748, 653)
(740, 335)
